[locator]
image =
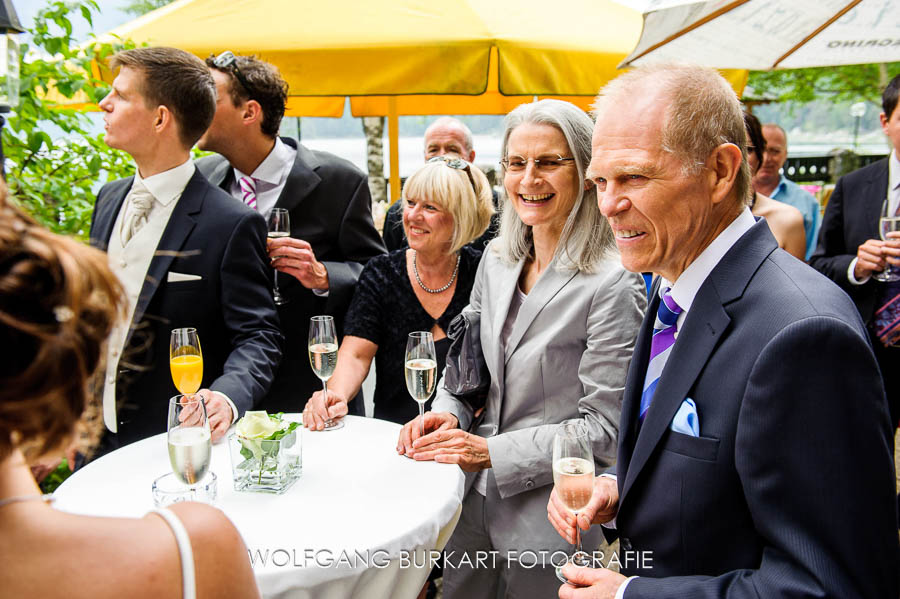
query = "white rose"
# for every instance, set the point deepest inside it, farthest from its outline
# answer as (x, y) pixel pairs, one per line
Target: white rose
(256, 425)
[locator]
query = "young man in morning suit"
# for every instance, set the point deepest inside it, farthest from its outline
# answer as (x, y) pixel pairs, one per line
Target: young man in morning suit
(755, 453)
(187, 255)
(850, 249)
(332, 233)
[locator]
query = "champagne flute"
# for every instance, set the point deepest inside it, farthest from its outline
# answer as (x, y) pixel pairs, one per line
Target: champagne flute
(323, 350)
(573, 477)
(421, 371)
(190, 443)
(186, 360)
(279, 226)
(887, 223)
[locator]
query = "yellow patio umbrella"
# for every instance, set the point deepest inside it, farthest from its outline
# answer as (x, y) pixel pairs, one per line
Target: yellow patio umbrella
(396, 57)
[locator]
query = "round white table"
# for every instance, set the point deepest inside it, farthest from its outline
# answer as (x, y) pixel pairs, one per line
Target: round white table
(358, 523)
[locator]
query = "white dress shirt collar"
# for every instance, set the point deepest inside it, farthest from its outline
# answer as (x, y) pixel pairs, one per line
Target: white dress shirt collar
(167, 186)
(685, 289)
(274, 168)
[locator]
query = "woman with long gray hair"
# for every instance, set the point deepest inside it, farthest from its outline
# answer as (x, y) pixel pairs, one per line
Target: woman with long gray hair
(558, 316)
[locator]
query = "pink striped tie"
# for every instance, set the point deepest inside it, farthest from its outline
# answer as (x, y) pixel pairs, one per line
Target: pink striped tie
(248, 188)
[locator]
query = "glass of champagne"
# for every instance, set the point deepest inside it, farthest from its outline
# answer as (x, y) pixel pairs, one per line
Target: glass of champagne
(190, 443)
(279, 226)
(421, 371)
(186, 360)
(573, 478)
(323, 350)
(888, 223)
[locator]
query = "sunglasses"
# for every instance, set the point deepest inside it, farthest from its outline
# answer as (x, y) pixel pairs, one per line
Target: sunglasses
(458, 164)
(227, 60)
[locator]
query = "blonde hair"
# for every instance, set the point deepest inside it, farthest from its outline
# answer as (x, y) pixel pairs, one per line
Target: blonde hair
(58, 304)
(451, 189)
(586, 237)
(702, 113)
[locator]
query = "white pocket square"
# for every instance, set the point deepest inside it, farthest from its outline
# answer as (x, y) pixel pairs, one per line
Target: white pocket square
(687, 421)
(176, 277)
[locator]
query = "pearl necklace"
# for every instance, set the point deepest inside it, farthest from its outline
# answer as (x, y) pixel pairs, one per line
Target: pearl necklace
(439, 289)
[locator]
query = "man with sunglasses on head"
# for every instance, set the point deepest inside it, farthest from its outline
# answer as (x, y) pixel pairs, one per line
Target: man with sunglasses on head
(332, 233)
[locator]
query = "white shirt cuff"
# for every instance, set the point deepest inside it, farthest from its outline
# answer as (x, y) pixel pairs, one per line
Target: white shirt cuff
(620, 593)
(612, 523)
(320, 292)
(853, 280)
(234, 410)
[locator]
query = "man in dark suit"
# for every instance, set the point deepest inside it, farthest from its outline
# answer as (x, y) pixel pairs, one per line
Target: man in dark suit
(850, 249)
(332, 233)
(754, 451)
(187, 255)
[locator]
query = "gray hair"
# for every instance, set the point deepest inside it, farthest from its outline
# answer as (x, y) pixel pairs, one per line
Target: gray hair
(702, 113)
(453, 123)
(586, 237)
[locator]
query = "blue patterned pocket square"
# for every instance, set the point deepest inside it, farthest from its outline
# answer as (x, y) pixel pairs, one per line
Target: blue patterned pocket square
(686, 420)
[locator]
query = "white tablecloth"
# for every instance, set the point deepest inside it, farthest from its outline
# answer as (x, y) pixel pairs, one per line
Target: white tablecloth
(347, 528)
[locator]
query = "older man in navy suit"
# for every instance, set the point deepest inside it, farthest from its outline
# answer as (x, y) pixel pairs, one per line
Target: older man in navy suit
(755, 452)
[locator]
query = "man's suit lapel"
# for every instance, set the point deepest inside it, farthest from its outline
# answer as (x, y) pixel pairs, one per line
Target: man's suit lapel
(222, 175)
(875, 194)
(548, 285)
(302, 179)
(702, 330)
(181, 223)
(107, 212)
(633, 386)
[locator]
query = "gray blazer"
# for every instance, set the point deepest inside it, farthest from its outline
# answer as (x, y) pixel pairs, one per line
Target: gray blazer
(566, 358)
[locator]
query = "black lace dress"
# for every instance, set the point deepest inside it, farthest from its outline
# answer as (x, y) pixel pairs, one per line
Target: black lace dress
(385, 310)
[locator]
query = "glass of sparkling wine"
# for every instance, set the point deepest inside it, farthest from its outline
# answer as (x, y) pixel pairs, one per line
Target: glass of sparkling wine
(573, 477)
(279, 226)
(323, 350)
(190, 444)
(421, 371)
(888, 223)
(186, 360)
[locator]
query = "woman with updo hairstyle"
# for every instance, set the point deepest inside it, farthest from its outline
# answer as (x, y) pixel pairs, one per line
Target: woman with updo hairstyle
(58, 303)
(447, 203)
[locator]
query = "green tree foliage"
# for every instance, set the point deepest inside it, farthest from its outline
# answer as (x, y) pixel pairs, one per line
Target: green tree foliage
(140, 7)
(852, 83)
(53, 161)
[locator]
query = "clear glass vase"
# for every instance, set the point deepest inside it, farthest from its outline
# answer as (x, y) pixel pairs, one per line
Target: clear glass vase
(266, 466)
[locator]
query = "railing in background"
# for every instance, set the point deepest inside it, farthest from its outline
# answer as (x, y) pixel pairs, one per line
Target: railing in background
(818, 169)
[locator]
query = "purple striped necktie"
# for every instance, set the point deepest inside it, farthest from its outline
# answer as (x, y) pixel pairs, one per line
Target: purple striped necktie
(248, 189)
(660, 347)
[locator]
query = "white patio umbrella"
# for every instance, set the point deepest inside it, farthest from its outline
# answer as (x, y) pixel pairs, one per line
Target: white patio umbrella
(768, 34)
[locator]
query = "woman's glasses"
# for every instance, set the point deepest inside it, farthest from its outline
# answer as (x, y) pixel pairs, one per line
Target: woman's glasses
(544, 164)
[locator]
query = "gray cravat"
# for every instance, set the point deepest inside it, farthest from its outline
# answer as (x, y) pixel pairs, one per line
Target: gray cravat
(137, 209)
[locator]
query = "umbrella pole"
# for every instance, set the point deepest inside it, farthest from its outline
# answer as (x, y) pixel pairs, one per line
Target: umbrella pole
(394, 140)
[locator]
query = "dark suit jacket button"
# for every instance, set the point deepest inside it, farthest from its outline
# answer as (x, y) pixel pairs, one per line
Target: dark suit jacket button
(625, 543)
(529, 484)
